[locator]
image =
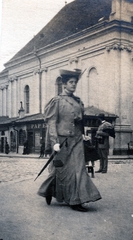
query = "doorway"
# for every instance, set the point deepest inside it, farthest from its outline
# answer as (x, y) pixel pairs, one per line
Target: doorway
(31, 142)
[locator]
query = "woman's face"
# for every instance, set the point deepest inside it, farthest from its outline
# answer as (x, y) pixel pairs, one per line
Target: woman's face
(71, 84)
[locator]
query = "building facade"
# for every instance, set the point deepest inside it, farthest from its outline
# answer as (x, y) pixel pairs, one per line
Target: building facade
(102, 50)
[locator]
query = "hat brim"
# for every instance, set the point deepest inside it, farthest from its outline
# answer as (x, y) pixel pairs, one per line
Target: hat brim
(67, 74)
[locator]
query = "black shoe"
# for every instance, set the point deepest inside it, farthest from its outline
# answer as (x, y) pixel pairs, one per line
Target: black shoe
(79, 208)
(98, 171)
(48, 199)
(104, 171)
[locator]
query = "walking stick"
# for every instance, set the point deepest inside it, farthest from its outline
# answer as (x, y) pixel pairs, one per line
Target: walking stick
(50, 159)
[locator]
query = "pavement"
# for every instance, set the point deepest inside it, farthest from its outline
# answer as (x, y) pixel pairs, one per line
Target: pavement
(25, 216)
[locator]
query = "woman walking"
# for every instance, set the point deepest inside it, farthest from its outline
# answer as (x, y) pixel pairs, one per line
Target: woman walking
(68, 180)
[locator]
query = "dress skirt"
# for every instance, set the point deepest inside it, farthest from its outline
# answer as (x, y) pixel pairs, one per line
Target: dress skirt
(71, 182)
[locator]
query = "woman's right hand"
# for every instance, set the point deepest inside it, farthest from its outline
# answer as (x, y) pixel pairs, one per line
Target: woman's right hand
(56, 147)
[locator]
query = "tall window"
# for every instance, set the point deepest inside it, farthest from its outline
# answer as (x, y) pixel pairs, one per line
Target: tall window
(59, 85)
(27, 98)
(93, 93)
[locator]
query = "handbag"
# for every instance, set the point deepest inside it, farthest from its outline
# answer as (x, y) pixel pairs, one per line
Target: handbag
(90, 151)
(58, 163)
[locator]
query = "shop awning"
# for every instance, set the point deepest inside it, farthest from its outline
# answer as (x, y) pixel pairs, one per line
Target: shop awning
(92, 111)
(91, 116)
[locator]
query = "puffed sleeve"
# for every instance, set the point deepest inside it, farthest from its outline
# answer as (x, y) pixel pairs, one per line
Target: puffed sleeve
(51, 117)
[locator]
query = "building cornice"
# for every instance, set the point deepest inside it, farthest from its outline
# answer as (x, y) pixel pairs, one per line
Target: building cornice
(12, 78)
(4, 87)
(119, 46)
(100, 28)
(40, 70)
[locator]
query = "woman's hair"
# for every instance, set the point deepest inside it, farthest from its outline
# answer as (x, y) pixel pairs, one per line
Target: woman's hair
(65, 79)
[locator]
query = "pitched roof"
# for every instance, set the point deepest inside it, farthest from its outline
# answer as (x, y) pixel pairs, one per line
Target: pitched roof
(72, 18)
(31, 118)
(4, 120)
(94, 111)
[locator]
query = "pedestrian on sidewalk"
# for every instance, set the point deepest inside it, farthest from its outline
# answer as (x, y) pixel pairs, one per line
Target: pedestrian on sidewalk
(42, 149)
(6, 148)
(105, 130)
(68, 180)
(26, 147)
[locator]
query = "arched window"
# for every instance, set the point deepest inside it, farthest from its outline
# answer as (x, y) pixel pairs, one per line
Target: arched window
(93, 93)
(59, 85)
(27, 99)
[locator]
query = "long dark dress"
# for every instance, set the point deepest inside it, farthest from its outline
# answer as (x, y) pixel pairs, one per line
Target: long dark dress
(71, 182)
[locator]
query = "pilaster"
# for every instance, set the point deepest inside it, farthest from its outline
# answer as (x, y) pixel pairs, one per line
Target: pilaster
(4, 102)
(121, 10)
(7, 114)
(44, 88)
(121, 76)
(40, 73)
(2, 89)
(1, 101)
(12, 96)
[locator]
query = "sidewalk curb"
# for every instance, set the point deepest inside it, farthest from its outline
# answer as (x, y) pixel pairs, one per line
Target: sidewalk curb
(36, 156)
(20, 156)
(120, 157)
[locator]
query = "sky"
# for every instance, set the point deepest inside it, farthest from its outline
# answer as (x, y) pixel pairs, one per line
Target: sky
(20, 20)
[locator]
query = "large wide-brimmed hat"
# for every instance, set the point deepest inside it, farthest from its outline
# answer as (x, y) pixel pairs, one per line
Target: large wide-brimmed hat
(67, 74)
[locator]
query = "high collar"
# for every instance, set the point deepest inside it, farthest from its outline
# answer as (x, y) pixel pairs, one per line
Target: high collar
(67, 93)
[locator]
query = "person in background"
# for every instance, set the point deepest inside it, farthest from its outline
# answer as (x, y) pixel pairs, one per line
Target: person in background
(105, 130)
(7, 148)
(26, 147)
(42, 149)
(68, 180)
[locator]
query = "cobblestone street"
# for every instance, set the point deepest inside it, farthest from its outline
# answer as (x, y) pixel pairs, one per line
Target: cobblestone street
(15, 169)
(25, 216)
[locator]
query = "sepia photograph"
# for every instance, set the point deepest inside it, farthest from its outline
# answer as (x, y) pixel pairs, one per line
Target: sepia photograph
(66, 120)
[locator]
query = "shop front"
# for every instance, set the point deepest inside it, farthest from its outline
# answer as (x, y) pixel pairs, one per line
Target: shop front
(35, 132)
(32, 130)
(29, 130)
